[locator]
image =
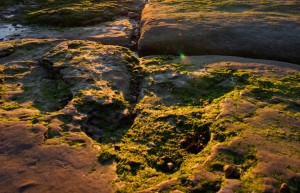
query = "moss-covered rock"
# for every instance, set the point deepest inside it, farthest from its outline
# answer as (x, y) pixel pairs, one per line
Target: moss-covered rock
(53, 95)
(197, 116)
(69, 13)
(164, 123)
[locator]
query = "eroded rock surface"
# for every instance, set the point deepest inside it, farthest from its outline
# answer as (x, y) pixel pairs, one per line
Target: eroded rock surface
(53, 91)
(80, 116)
(205, 114)
(67, 13)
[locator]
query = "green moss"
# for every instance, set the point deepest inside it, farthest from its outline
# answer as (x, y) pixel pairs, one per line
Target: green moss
(157, 143)
(78, 12)
(222, 131)
(107, 154)
(56, 92)
(265, 89)
(9, 105)
(251, 182)
(77, 143)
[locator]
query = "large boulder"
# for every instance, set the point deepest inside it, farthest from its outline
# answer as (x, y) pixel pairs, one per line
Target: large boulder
(249, 29)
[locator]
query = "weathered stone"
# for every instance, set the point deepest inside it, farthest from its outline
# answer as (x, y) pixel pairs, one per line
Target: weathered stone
(170, 165)
(133, 15)
(34, 131)
(284, 188)
(268, 189)
(174, 28)
(231, 172)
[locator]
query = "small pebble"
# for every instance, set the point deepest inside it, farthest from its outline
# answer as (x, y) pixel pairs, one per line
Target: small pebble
(170, 165)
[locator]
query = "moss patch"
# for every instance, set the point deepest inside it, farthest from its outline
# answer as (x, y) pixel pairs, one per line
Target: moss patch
(71, 13)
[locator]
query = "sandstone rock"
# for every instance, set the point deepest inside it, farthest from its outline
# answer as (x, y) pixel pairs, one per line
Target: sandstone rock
(174, 28)
(118, 32)
(54, 128)
(176, 191)
(230, 108)
(179, 104)
(96, 11)
(268, 189)
(35, 131)
(231, 185)
(201, 177)
(163, 186)
(26, 186)
(225, 191)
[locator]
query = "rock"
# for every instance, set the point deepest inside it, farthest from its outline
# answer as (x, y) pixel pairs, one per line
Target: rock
(133, 15)
(231, 185)
(39, 128)
(284, 188)
(231, 108)
(26, 186)
(40, 136)
(73, 127)
(176, 191)
(18, 26)
(225, 191)
(179, 107)
(97, 12)
(268, 189)
(170, 165)
(201, 176)
(231, 172)
(161, 187)
(93, 130)
(31, 167)
(151, 144)
(75, 138)
(173, 28)
(54, 128)
(69, 56)
(118, 32)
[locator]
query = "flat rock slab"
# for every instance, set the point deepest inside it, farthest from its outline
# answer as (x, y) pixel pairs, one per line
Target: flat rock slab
(30, 166)
(257, 30)
(197, 114)
(51, 91)
(116, 32)
(169, 123)
(67, 13)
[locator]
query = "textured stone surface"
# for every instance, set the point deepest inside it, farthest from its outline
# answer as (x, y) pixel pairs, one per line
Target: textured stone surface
(188, 28)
